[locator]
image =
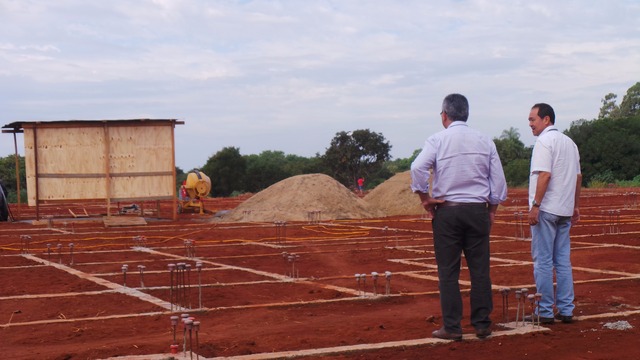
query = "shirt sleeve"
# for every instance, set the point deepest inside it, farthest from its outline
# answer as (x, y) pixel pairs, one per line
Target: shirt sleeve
(420, 168)
(497, 180)
(542, 156)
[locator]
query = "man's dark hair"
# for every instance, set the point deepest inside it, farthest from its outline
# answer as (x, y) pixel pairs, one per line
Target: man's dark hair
(456, 106)
(545, 110)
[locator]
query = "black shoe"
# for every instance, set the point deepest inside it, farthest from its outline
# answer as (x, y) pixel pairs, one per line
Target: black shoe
(543, 320)
(483, 333)
(567, 319)
(444, 334)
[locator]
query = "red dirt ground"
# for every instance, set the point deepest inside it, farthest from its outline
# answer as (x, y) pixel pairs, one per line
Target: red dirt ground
(57, 306)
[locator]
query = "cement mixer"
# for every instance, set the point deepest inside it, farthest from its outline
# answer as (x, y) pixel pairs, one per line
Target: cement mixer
(193, 190)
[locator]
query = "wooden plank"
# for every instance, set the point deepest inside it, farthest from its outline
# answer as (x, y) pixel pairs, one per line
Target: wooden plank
(112, 221)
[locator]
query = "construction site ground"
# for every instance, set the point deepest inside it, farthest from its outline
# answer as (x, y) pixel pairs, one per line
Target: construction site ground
(64, 301)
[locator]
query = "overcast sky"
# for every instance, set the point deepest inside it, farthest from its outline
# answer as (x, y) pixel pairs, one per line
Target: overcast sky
(288, 75)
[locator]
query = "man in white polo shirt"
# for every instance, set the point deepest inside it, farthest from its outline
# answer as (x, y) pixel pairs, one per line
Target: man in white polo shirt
(554, 191)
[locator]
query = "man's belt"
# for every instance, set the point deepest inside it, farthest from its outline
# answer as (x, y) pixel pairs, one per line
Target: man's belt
(456, 203)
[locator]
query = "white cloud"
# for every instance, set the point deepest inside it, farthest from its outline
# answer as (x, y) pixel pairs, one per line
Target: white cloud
(282, 75)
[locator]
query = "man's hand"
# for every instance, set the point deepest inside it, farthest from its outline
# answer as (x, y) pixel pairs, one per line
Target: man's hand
(429, 204)
(533, 215)
(576, 216)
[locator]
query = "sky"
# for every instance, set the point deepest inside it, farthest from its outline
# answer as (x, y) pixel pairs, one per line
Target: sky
(288, 75)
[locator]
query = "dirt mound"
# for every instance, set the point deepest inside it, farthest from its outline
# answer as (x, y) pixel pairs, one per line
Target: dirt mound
(394, 197)
(293, 199)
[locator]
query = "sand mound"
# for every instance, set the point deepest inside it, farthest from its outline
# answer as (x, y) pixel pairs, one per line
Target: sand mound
(394, 197)
(292, 199)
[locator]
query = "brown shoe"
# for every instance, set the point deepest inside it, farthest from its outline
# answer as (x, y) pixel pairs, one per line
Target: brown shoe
(483, 333)
(444, 334)
(567, 319)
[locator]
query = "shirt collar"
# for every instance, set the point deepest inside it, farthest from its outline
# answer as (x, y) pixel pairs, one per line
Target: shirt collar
(549, 128)
(458, 123)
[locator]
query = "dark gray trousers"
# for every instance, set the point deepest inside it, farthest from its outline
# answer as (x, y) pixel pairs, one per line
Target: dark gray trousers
(456, 230)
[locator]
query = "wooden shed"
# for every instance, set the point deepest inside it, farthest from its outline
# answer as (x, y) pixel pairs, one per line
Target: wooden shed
(110, 160)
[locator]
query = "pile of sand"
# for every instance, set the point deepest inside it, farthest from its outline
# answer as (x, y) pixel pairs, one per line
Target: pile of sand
(394, 197)
(295, 198)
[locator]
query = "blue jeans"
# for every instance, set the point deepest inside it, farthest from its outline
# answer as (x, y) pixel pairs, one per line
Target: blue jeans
(551, 249)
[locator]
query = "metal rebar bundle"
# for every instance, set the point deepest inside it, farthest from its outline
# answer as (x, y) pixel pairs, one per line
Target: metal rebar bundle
(281, 231)
(25, 241)
(293, 258)
(518, 298)
(532, 300)
(505, 304)
(374, 276)
(172, 292)
(189, 324)
(285, 257)
(537, 297)
(179, 288)
(196, 327)
(199, 268)
(71, 253)
(184, 318)
(174, 323)
(141, 271)
(125, 267)
(387, 290)
(188, 287)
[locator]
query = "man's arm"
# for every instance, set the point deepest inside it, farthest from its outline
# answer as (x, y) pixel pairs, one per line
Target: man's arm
(541, 188)
(576, 207)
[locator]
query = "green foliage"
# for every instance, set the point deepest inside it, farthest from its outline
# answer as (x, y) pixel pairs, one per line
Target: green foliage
(180, 177)
(226, 169)
(264, 169)
(609, 107)
(630, 105)
(517, 172)
(601, 180)
(8, 178)
(360, 153)
(515, 157)
(629, 183)
(269, 167)
(401, 165)
(609, 148)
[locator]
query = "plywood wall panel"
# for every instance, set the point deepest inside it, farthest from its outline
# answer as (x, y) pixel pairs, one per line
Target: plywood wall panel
(140, 149)
(77, 162)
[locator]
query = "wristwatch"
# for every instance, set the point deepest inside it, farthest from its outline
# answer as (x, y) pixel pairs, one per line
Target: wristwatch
(535, 203)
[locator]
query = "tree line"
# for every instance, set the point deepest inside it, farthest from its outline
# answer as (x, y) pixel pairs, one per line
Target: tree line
(609, 149)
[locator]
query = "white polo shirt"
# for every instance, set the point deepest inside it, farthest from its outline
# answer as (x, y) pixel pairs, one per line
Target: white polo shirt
(556, 153)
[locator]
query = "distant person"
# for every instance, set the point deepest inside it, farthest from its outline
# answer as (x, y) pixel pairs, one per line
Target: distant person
(182, 194)
(554, 191)
(468, 185)
(361, 185)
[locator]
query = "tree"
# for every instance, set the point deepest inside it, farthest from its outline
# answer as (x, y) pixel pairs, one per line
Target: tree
(515, 157)
(402, 164)
(510, 147)
(226, 169)
(630, 105)
(8, 177)
(269, 167)
(609, 107)
(609, 148)
(355, 154)
(265, 170)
